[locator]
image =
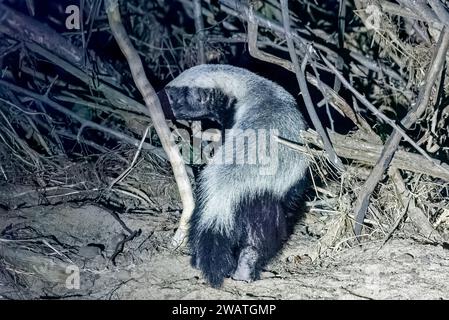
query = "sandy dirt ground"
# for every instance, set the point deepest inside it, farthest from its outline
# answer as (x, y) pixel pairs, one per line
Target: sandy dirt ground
(69, 252)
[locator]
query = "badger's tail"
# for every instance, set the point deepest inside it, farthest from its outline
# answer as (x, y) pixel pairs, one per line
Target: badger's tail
(257, 232)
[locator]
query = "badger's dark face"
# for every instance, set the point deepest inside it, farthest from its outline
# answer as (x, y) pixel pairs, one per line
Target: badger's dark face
(199, 103)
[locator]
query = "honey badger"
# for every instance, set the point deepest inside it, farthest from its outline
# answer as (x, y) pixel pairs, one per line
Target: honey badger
(239, 221)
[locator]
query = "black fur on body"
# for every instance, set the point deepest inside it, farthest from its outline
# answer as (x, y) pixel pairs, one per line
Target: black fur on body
(239, 222)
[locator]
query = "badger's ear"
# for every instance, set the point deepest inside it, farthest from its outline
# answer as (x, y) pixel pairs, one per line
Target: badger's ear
(198, 96)
(231, 103)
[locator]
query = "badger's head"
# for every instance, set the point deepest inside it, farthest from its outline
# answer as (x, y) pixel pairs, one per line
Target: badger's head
(192, 103)
(199, 93)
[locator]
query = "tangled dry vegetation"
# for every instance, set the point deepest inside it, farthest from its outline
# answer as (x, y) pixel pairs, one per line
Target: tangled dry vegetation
(73, 127)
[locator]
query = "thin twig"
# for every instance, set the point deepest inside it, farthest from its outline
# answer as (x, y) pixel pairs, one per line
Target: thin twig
(130, 167)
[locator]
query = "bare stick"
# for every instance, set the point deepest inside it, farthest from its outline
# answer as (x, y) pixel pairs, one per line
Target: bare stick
(341, 38)
(398, 10)
(114, 96)
(22, 27)
(392, 143)
(154, 107)
(199, 28)
(131, 166)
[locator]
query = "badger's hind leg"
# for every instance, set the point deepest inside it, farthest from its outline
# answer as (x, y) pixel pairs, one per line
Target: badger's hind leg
(263, 224)
(212, 250)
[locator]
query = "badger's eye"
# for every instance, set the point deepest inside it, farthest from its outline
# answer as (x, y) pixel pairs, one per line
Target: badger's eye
(203, 96)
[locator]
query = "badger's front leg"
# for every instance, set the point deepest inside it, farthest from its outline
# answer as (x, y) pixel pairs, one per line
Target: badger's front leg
(246, 266)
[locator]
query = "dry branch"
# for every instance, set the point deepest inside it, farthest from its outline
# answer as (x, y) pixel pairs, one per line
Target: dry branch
(153, 104)
(377, 112)
(368, 152)
(199, 28)
(441, 11)
(340, 104)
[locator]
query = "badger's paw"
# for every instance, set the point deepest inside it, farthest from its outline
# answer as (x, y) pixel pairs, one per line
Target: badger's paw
(242, 275)
(246, 268)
